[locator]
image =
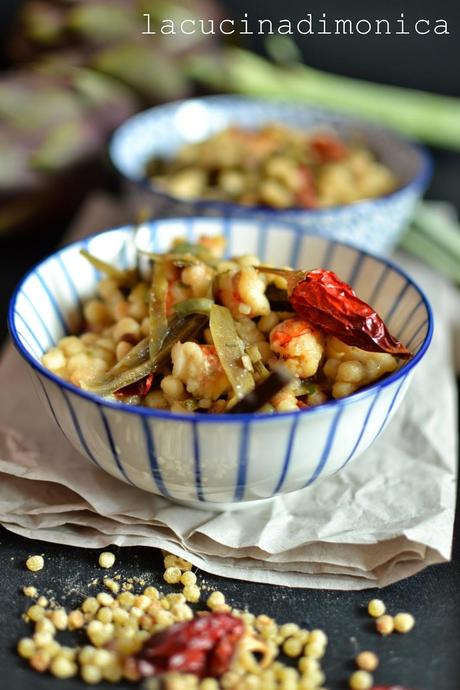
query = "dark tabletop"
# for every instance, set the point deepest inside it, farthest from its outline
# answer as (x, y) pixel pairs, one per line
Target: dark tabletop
(427, 658)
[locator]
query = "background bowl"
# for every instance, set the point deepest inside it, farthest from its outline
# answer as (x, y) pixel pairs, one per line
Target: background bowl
(216, 461)
(374, 225)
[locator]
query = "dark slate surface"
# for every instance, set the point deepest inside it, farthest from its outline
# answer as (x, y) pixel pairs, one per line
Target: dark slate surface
(428, 658)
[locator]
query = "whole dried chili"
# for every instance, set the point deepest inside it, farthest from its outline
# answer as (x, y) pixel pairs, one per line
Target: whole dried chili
(203, 646)
(332, 305)
(140, 388)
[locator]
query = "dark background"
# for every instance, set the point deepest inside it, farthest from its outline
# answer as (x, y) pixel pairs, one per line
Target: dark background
(429, 657)
(424, 62)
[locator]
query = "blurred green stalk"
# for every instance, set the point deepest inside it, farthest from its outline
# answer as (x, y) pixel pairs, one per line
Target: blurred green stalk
(434, 238)
(429, 117)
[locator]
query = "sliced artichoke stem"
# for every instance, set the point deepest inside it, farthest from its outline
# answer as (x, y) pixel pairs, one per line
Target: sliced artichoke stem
(179, 329)
(194, 305)
(136, 356)
(158, 321)
(121, 277)
(181, 260)
(230, 350)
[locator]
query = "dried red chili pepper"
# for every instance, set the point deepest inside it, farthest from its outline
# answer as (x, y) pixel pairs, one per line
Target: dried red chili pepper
(306, 194)
(140, 388)
(332, 305)
(328, 147)
(203, 646)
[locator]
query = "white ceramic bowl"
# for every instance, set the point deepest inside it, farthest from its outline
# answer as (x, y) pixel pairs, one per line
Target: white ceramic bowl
(216, 461)
(372, 224)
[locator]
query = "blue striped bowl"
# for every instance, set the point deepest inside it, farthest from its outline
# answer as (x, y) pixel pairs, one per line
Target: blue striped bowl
(216, 461)
(374, 225)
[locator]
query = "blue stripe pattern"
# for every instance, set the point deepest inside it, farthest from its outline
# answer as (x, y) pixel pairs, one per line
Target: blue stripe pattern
(328, 254)
(240, 486)
(408, 319)
(41, 347)
(390, 408)
(362, 431)
(77, 428)
(327, 448)
(112, 445)
(27, 342)
(53, 301)
(197, 462)
(417, 332)
(379, 285)
(155, 469)
(43, 325)
(69, 282)
(396, 302)
(50, 405)
(356, 269)
(287, 457)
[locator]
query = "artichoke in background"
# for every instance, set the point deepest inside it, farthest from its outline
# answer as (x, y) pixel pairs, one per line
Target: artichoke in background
(53, 128)
(81, 67)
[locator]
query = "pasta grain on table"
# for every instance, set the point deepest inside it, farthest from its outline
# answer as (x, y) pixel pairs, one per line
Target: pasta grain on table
(188, 640)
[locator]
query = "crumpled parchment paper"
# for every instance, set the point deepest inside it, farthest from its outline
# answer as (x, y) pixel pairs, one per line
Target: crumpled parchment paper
(389, 514)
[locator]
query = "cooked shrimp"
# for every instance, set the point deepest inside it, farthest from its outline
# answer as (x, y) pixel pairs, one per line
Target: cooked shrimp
(349, 368)
(200, 370)
(299, 345)
(243, 292)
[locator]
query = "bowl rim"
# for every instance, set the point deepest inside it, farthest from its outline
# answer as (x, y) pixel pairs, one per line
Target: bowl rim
(213, 418)
(419, 180)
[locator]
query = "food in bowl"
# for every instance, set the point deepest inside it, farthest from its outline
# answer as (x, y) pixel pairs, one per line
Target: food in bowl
(274, 166)
(215, 461)
(372, 224)
(195, 332)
